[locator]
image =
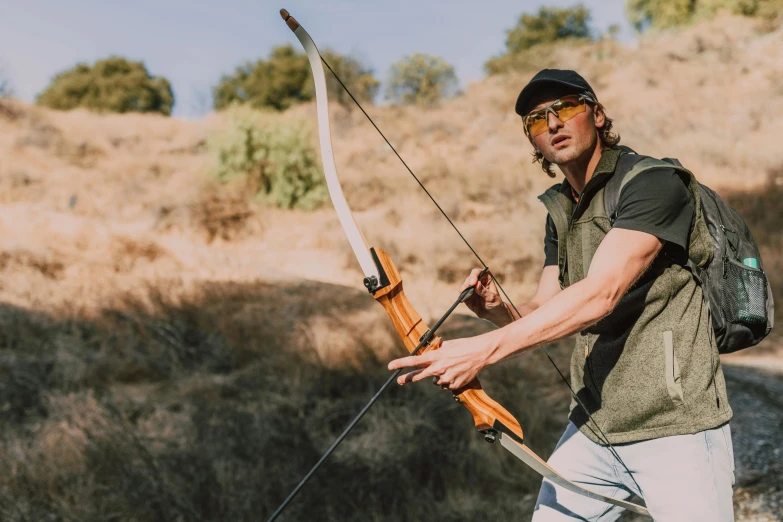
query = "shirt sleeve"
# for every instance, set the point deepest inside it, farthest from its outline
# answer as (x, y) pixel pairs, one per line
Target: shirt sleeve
(657, 202)
(550, 242)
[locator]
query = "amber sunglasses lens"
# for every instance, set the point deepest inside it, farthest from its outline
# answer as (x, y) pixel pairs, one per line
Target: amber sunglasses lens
(536, 123)
(568, 108)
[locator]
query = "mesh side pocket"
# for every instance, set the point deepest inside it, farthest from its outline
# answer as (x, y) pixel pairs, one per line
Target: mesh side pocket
(744, 294)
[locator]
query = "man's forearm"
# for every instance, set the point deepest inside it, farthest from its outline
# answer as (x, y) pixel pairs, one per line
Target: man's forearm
(570, 311)
(504, 315)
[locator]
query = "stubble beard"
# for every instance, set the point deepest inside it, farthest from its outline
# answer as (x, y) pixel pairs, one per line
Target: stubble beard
(575, 151)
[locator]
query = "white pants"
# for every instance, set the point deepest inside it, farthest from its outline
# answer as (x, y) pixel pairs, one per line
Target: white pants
(683, 478)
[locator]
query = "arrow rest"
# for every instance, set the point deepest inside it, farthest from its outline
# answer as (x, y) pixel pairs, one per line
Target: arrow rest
(371, 284)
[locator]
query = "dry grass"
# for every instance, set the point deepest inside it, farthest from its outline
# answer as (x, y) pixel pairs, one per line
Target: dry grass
(162, 358)
(208, 404)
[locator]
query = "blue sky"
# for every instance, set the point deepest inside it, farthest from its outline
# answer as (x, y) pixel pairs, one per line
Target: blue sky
(192, 43)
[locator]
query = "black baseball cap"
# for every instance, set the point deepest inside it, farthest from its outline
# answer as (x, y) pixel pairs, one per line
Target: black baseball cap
(548, 79)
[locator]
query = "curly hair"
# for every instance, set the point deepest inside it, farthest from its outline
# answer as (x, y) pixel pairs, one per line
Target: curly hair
(608, 140)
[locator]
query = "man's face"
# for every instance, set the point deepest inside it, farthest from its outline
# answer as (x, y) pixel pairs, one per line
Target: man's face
(567, 141)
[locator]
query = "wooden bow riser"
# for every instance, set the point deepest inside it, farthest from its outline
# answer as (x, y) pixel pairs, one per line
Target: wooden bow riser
(409, 325)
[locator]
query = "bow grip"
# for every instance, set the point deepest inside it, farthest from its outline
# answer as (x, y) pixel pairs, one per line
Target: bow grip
(407, 321)
(488, 416)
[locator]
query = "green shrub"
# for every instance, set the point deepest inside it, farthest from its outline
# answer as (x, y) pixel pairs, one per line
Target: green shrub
(421, 79)
(549, 26)
(285, 79)
(275, 158)
(114, 85)
(644, 14)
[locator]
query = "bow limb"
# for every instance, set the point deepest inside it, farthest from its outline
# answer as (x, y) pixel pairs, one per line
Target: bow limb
(383, 280)
(527, 456)
(355, 237)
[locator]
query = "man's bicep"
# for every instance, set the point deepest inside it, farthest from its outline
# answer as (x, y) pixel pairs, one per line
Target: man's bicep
(622, 257)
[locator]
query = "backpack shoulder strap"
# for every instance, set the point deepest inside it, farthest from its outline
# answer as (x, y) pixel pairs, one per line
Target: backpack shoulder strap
(629, 166)
(700, 249)
(673, 161)
(612, 195)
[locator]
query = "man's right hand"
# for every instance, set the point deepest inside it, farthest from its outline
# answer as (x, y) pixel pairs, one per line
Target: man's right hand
(487, 304)
(485, 301)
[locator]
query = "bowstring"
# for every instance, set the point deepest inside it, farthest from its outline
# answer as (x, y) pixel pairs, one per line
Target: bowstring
(603, 438)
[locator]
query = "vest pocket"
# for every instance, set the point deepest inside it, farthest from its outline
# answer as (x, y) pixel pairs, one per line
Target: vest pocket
(673, 383)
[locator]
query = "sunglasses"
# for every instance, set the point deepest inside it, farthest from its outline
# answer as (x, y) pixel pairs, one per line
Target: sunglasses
(565, 108)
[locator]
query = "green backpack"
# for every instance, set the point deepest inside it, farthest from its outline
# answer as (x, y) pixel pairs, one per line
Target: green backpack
(733, 281)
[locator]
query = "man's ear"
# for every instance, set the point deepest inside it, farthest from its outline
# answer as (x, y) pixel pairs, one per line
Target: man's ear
(599, 116)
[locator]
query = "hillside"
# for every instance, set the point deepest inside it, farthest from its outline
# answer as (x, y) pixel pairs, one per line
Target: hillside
(157, 326)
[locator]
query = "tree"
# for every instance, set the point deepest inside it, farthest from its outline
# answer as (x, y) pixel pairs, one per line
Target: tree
(284, 79)
(644, 14)
(421, 79)
(358, 78)
(113, 85)
(659, 13)
(277, 82)
(550, 25)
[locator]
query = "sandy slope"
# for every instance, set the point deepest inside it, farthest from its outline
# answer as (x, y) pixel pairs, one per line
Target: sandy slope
(78, 186)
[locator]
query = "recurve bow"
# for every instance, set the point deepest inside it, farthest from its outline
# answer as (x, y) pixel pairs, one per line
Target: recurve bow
(383, 281)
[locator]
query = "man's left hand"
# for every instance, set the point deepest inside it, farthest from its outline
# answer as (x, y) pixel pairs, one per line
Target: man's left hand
(454, 364)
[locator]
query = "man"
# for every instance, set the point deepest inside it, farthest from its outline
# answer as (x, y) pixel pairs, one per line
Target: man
(645, 372)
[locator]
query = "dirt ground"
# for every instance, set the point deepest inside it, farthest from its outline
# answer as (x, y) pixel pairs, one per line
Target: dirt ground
(756, 396)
